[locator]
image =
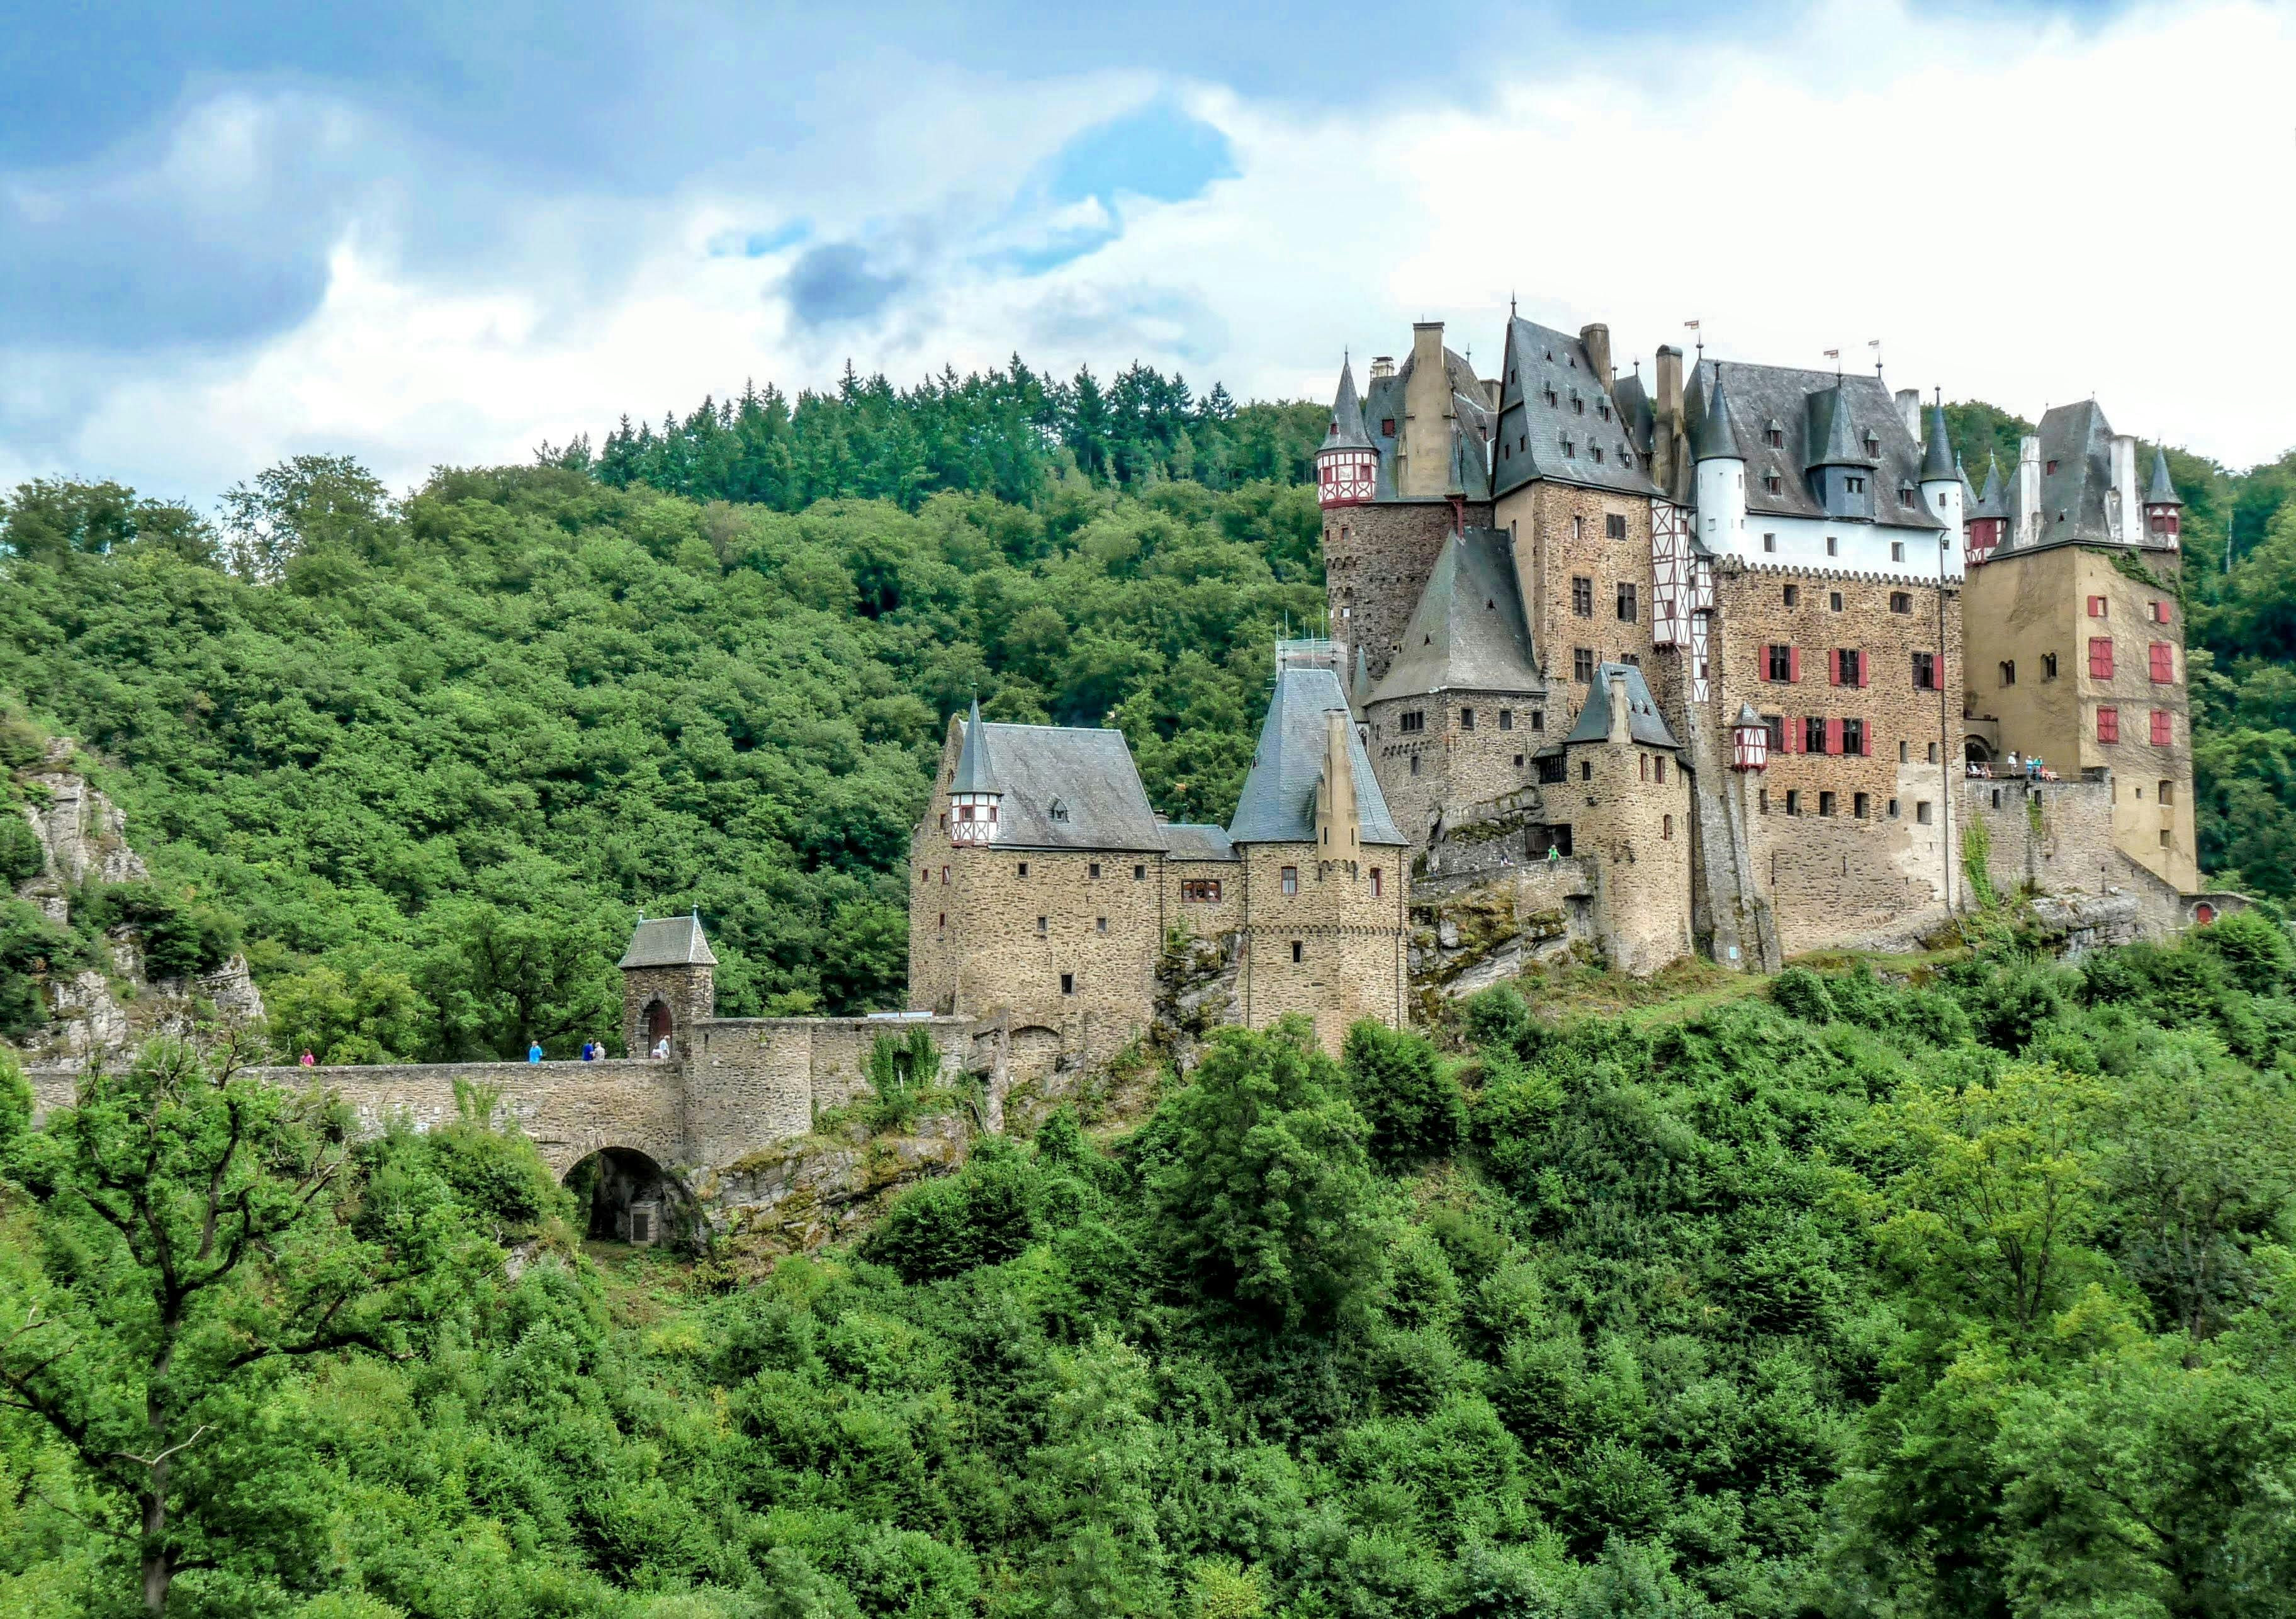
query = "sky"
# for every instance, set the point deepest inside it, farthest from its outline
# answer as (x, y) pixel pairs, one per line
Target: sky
(431, 234)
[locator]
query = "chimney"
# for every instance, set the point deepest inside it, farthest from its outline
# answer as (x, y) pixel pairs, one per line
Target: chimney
(1669, 444)
(1597, 339)
(1909, 408)
(1622, 718)
(2130, 514)
(1336, 819)
(1382, 364)
(2028, 490)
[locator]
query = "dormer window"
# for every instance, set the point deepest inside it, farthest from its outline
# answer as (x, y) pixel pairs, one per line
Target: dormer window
(1771, 484)
(1774, 436)
(1569, 449)
(1597, 450)
(1603, 411)
(1872, 443)
(2053, 469)
(1060, 811)
(1387, 427)
(1905, 494)
(1553, 398)
(1578, 406)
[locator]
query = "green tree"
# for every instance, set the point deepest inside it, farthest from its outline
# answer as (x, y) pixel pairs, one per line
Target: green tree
(1263, 1186)
(191, 1234)
(1411, 1100)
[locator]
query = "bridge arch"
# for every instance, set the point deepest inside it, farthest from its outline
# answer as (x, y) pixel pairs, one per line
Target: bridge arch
(625, 1194)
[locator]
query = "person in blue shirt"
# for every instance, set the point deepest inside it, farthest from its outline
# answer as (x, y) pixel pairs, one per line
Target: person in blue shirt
(534, 1052)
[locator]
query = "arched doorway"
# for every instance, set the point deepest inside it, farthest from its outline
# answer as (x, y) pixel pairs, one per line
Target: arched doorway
(625, 1196)
(1974, 752)
(657, 1024)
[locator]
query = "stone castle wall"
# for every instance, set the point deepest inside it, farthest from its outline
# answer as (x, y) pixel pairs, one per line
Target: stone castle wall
(2057, 838)
(1448, 761)
(1635, 830)
(1559, 534)
(1349, 939)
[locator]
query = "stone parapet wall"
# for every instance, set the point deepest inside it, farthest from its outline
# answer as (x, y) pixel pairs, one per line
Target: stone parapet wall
(2057, 838)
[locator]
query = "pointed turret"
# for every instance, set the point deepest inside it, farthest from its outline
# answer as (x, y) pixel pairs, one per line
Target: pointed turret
(1936, 454)
(1988, 515)
(973, 792)
(1989, 498)
(2163, 516)
(1717, 439)
(1347, 464)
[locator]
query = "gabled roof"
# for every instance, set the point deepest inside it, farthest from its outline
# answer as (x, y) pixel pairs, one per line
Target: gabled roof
(1470, 479)
(1532, 433)
(1347, 428)
(1195, 841)
(974, 773)
(1763, 398)
(1937, 455)
(1646, 725)
(1069, 787)
(2162, 490)
(668, 942)
(1834, 440)
(1468, 632)
(1278, 802)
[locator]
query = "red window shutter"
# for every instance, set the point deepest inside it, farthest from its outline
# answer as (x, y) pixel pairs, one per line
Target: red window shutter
(1864, 667)
(2108, 724)
(2100, 657)
(1834, 737)
(2097, 606)
(1865, 739)
(2164, 663)
(1793, 738)
(1833, 666)
(2161, 735)
(1794, 663)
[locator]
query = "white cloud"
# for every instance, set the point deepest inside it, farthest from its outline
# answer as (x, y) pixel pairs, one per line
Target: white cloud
(2024, 213)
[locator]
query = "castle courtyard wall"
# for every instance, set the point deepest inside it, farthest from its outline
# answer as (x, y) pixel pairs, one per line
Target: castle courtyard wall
(1350, 940)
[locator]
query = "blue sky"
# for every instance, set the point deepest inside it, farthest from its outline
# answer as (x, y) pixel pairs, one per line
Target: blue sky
(430, 232)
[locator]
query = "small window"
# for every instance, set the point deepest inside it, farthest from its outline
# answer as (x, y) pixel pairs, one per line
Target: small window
(2100, 657)
(1506, 719)
(1762, 800)
(1813, 734)
(1043, 925)
(1905, 498)
(1893, 809)
(1853, 737)
(1834, 601)
(2097, 607)
(1666, 828)
(1552, 769)
(1776, 723)
(1614, 525)
(1539, 719)
(1297, 950)
(1100, 924)
(1774, 436)
(1848, 666)
(1778, 662)
(1926, 671)
(1578, 526)
(1770, 543)
(2053, 469)
(2163, 663)
(1139, 874)
(2159, 612)
(2167, 793)
(2108, 724)
(1411, 720)
(1793, 596)
(1200, 890)
(2164, 837)
(2048, 666)
(1466, 719)
(1518, 762)
(1582, 596)
(1415, 764)
(1024, 869)
(1933, 754)
(1387, 427)
(1067, 983)
(1585, 769)
(1661, 769)
(1626, 604)
(1641, 762)
(1376, 880)
(944, 876)
(1921, 811)
(1290, 879)
(2163, 731)
(2008, 671)
(1861, 806)
(1832, 546)
(1904, 753)
(944, 919)
(1793, 801)
(1582, 664)
(1092, 871)
(1896, 550)
(1060, 811)
(1771, 484)
(1901, 601)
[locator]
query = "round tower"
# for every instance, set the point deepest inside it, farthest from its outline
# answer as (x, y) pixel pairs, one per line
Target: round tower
(1720, 482)
(1941, 487)
(1347, 465)
(974, 794)
(2163, 511)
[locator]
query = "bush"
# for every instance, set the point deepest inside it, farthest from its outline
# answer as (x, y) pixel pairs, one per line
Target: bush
(2255, 949)
(22, 855)
(984, 1214)
(1497, 1019)
(1803, 994)
(1404, 1090)
(182, 938)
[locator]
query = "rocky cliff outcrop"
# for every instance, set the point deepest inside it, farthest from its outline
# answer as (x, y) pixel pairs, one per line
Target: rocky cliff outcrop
(100, 1009)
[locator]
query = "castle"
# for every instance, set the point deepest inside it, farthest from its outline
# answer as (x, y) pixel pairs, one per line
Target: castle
(1730, 660)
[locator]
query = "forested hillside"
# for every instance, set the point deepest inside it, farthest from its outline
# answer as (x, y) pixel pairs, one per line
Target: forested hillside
(1974, 1298)
(430, 756)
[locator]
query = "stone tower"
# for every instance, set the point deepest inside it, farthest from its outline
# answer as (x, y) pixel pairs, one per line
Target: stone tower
(668, 984)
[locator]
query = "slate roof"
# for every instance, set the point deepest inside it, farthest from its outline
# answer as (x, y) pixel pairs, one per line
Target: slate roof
(1347, 428)
(1087, 774)
(1468, 632)
(1532, 433)
(1644, 720)
(2162, 492)
(974, 773)
(1759, 396)
(1278, 802)
(668, 942)
(1834, 440)
(2077, 440)
(1634, 407)
(1382, 402)
(1937, 455)
(1196, 841)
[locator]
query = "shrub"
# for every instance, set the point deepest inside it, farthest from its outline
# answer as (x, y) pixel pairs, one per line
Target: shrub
(2255, 949)
(1404, 1090)
(984, 1214)
(22, 855)
(1803, 994)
